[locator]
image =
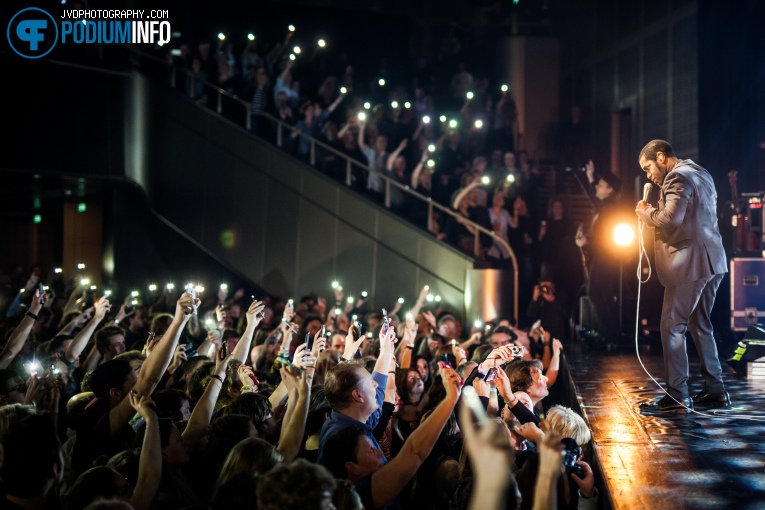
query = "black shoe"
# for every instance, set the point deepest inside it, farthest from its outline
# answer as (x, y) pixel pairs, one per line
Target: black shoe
(668, 404)
(712, 399)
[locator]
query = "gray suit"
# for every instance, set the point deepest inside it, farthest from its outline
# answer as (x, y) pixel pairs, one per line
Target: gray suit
(690, 262)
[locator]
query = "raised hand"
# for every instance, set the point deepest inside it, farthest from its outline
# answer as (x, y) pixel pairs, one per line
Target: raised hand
(179, 356)
(319, 344)
(351, 345)
(303, 358)
(247, 378)
(122, 313)
(254, 313)
(102, 306)
(557, 346)
(186, 306)
(220, 316)
(430, 318)
(387, 341)
(143, 405)
(531, 432)
(451, 381)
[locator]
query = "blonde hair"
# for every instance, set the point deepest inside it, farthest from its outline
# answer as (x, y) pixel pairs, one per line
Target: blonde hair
(565, 422)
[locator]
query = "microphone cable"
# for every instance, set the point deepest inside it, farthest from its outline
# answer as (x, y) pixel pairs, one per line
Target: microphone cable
(723, 413)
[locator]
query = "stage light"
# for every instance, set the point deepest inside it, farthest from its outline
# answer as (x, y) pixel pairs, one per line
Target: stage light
(425, 119)
(624, 234)
(322, 43)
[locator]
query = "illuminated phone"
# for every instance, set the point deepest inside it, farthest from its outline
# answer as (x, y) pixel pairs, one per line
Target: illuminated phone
(386, 324)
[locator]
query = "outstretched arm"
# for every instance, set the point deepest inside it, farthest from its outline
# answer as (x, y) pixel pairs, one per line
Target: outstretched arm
(19, 336)
(81, 340)
(389, 480)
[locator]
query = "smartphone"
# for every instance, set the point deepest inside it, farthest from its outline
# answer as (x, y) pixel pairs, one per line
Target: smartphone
(386, 324)
(517, 351)
(280, 362)
(308, 342)
(41, 288)
(444, 358)
(491, 375)
(223, 352)
(535, 326)
(356, 330)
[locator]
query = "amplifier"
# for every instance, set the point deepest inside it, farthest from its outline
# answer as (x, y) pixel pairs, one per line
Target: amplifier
(747, 292)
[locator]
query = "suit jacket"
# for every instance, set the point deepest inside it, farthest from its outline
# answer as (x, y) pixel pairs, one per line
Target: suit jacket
(688, 245)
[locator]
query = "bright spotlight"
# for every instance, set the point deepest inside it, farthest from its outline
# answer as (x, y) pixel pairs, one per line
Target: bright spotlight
(624, 234)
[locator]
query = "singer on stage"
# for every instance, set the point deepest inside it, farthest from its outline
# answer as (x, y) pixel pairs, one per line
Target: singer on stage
(690, 263)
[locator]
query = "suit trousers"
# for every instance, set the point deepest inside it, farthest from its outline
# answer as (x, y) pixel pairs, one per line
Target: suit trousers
(687, 308)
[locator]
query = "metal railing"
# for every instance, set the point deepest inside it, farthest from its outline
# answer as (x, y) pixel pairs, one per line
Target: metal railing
(390, 183)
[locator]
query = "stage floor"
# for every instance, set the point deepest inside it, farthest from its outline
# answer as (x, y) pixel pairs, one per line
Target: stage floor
(678, 461)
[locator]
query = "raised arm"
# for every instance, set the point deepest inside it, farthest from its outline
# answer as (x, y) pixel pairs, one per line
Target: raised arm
(156, 364)
(415, 180)
(677, 194)
(203, 411)
(410, 335)
(293, 426)
(74, 350)
(242, 348)
(19, 336)
(360, 140)
(395, 153)
(150, 462)
(390, 479)
(463, 193)
(387, 350)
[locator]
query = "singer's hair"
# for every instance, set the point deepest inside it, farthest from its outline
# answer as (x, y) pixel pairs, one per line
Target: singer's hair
(654, 147)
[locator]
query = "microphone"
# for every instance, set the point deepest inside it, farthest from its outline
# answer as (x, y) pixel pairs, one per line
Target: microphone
(646, 191)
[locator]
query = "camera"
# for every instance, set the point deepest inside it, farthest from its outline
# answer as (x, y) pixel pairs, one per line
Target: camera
(545, 289)
(571, 454)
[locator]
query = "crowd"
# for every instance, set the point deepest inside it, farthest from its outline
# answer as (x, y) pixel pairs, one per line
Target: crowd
(450, 138)
(177, 399)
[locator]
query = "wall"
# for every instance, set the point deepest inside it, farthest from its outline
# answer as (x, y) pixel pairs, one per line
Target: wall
(280, 222)
(638, 56)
